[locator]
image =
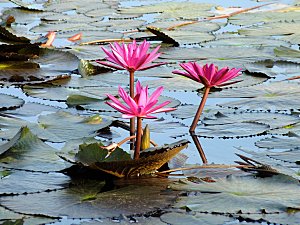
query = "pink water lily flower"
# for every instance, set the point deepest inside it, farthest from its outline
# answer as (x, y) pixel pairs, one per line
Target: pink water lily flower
(131, 57)
(208, 75)
(142, 105)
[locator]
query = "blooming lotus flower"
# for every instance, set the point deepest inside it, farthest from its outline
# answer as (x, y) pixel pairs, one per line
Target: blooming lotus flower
(131, 57)
(208, 75)
(142, 105)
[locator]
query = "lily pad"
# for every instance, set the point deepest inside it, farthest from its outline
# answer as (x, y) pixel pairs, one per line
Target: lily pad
(288, 30)
(175, 218)
(240, 41)
(221, 56)
(8, 102)
(60, 126)
(21, 182)
(172, 10)
(279, 96)
(240, 194)
(62, 93)
(39, 69)
(30, 109)
(26, 151)
(284, 142)
(274, 68)
(250, 18)
(85, 200)
(181, 37)
(242, 124)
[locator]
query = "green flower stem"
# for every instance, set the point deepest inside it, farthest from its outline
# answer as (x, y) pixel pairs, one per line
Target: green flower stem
(139, 131)
(200, 109)
(131, 92)
(199, 147)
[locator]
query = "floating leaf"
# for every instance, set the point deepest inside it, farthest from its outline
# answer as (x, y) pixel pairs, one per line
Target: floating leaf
(62, 93)
(221, 56)
(137, 197)
(279, 96)
(240, 195)
(242, 124)
(250, 18)
(91, 153)
(176, 218)
(180, 37)
(274, 68)
(56, 127)
(240, 41)
(21, 182)
(172, 10)
(8, 102)
(289, 30)
(26, 151)
(40, 68)
(274, 142)
(31, 109)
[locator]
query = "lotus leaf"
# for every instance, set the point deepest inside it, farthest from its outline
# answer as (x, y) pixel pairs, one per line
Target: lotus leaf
(26, 151)
(172, 10)
(8, 102)
(289, 30)
(85, 200)
(240, 194)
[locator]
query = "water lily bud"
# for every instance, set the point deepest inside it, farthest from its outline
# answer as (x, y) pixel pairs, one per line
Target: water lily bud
(145, 138)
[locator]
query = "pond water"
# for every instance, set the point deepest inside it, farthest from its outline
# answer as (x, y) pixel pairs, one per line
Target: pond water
(262, 110)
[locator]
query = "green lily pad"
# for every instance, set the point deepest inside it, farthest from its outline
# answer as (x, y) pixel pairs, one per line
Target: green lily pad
(274, 68)
(176, 218)
(286, 52)
(40, 68)
(292, 130)
(62, 93)
(242, 124)
(172, 10)
(26, 151)
(85, 200)
(21, 182)
(279, 96)
(240, 41)
(288, 30)
(60, 126)
(181, 37)
(281, 142)
(277, 218)
(119, 25)
(91, 153)
(221, 56)
(31, 109)
(245, 19)
(240, 194)
(8, 102)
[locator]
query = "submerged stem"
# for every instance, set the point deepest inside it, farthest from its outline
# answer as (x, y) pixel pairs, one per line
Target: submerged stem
(200, 109)
(132, 120)
(139, 131)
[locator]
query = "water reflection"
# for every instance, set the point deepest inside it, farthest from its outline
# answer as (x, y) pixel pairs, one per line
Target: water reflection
(199, 147)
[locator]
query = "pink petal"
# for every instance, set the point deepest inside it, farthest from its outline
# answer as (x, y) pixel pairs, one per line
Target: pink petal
(110, 65)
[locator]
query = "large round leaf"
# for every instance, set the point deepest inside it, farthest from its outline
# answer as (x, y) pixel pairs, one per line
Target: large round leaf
(26, 151)
(85, 200)
(241, 194)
